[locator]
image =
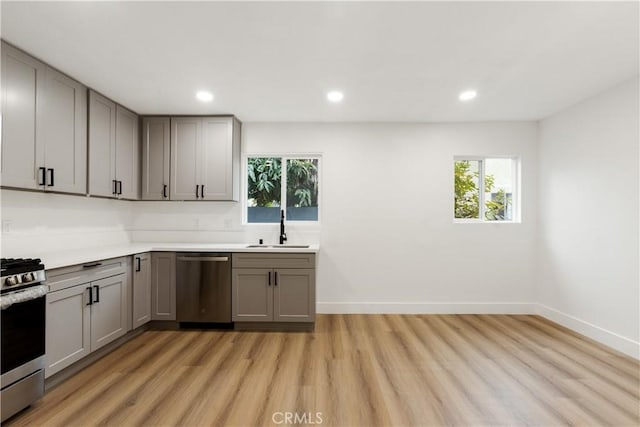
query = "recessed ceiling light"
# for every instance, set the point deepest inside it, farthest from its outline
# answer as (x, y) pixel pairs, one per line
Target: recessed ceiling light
(335, 96)
(467, 95)
(204, 96)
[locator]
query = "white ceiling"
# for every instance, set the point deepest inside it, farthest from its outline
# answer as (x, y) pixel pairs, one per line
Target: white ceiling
(394, 61)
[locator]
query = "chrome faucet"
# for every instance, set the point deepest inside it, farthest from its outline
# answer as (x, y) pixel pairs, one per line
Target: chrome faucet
(283, 235)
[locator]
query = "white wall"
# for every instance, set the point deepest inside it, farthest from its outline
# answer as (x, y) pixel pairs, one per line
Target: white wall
(36, 223)
(388, 242)
(588, 218)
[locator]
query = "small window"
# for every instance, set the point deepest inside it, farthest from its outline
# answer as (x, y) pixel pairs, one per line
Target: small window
(485, 189)
(277, 182)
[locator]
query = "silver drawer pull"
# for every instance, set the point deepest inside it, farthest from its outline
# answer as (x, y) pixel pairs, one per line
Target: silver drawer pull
(204, 258)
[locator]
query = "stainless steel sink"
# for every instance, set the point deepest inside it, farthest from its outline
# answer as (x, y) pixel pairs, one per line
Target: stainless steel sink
(278, 246)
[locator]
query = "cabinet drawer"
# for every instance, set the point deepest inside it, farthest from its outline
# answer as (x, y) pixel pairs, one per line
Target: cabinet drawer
(65, 277)
(260, 260)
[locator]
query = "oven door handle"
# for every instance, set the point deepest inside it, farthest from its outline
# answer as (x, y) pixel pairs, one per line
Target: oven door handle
(24, 295)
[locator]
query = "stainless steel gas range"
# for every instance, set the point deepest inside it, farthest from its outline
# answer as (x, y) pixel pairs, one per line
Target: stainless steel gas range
(22, 326)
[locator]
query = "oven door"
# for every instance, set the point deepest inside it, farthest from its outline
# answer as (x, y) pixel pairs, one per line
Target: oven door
(23, 336)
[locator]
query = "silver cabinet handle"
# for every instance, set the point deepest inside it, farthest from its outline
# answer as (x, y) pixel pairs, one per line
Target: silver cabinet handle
(204, 258)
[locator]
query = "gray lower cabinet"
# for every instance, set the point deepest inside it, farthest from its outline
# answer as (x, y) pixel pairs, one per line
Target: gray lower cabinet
(273, 288)
(252, 295)
(113, 149)
(163, 286)
(87, 308)
(156, 153)
(108, 310)
(68, 333)
(141, 290)
(44, 138)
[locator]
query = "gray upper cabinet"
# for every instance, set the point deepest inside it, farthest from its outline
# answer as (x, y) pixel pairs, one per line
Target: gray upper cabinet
(185, 158)
(65, 133)
(156, 155)
(127, 149)
(205, 158)
(220, 174)
(44, 139)
(102, 146)
(113, 149)
(22, 143)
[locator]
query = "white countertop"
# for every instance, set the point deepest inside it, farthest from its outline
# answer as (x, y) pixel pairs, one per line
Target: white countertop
(81, 256)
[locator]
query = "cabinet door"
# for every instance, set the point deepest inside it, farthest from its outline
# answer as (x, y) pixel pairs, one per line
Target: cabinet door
(252, 295)
(217, 158)
(185, 158)
(102, 145)
(68, 328)
(127, 148)
(65, 133)
(141, 305)
(22, 149)
(155, 158)
(109, 310)
(163, 286)
(294, 295)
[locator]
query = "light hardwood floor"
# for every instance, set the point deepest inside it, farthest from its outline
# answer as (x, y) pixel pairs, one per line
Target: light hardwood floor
(355, 370)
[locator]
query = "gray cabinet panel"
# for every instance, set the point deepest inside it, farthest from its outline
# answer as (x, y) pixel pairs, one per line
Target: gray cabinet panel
(102, 145)
(77, 324)
(205, 157)
(265, 260)
(156, 155)
(44, 138)
(108, 311)
(252, 295)
(141, 298)
(217, 152)
(185, 157)
(294, 295)
(23, 78)
(65, 133)
(127, 169)
(163, 286)
(68, 332)
(273, 287)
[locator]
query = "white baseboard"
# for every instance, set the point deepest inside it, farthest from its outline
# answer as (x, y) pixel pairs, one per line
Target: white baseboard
(424, 308)
(596, 333)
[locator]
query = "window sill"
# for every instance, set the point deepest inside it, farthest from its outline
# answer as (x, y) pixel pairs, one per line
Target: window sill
(478, 221)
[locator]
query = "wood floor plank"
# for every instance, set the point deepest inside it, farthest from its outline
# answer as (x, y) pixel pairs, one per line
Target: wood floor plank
(354, 370)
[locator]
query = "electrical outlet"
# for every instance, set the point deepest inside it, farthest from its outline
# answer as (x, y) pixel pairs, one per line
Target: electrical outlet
(7, 226)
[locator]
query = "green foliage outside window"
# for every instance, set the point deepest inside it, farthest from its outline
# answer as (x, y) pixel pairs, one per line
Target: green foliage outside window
(265, 182)
(264, 187)
(467, 200)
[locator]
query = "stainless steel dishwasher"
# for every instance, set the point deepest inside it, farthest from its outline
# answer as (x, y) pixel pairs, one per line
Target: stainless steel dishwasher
(203, 287)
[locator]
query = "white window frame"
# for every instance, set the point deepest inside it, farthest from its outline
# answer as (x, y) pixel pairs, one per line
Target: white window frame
(516, 198)
(283, 191)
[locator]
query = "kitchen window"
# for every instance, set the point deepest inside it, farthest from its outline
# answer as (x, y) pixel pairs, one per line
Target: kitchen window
(486, 189)
(282, 182)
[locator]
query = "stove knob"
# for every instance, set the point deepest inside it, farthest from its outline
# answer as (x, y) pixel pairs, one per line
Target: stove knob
(27, 277)
(11, 280)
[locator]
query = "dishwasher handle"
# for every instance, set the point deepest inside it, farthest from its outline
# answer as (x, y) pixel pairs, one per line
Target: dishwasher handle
(204, 258)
